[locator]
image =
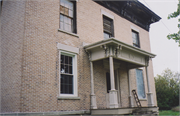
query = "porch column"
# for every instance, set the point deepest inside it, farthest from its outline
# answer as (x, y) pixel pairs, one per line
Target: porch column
(131, 103)
(149, 94)
(112, 93)
(93, 96)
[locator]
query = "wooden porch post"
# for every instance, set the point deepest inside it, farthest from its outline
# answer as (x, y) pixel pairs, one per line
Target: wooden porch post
(112, 93)
(149, 94)
(93, 96)
(131, 103)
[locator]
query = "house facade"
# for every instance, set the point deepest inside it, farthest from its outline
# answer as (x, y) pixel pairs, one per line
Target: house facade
(76, 57)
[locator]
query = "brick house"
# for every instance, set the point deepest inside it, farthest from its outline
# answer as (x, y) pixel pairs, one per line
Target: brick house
(76, 57)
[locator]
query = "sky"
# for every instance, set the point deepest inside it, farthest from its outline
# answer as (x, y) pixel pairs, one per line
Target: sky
(167, 51)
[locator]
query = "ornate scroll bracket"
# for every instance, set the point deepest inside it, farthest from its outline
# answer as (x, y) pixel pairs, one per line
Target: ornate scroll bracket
(106, 50)
(117, 50)
(147, 61)
(89, 55)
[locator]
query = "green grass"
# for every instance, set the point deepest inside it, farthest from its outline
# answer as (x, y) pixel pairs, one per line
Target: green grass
(168, 112)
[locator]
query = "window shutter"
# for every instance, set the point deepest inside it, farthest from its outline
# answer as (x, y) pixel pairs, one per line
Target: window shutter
(107, 25)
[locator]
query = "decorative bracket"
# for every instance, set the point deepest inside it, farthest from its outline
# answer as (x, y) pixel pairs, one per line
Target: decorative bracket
(117, 50)
(147, 61)
(106, 50)
(89, 55)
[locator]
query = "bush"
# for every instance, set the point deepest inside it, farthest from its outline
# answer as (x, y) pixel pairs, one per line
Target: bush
(176, 109)
(167, 90)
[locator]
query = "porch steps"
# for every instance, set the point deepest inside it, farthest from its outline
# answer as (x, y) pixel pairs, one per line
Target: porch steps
(136, 98)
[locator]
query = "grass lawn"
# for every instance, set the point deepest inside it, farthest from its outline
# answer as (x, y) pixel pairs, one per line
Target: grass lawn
(168, 112)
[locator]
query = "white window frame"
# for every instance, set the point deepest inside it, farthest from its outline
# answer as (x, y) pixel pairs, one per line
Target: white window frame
(74, 58)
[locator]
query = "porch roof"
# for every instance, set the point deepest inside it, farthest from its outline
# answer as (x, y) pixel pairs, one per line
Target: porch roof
(120, 50)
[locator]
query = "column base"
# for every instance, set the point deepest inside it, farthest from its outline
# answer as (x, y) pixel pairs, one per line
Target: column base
(93, 102)
(113, 99)
(131, 103)
(150, 99)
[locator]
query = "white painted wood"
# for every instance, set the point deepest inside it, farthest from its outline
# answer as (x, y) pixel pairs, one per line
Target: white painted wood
(107, 14)
(67, 48)
(93, 96)
(149, 94)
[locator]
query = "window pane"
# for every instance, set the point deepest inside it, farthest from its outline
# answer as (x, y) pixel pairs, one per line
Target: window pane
(71, 5)
(62, 68)
(66, 68)
(61, 18)
(106, 35)
(62, 58)
(140, 84)
(66, 11)
(70, 60)
(70, 70)
(61, 25)
(66, 27)
(66, 59)
(66, 84)
(62, 9)
(69, 21)
(70, 13)
(65, 19)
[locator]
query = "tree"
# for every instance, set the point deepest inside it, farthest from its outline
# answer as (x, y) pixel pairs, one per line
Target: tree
(175, 36)
(167, 89)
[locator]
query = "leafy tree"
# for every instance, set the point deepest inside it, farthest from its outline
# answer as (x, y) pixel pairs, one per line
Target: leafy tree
(167, 89)
(175, 36)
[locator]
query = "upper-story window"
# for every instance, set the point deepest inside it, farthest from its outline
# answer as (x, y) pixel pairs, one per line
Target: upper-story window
(135, 37)
(67, 16)
(108, 27)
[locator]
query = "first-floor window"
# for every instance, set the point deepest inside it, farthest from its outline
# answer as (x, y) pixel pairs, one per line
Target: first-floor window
(140, 84)
(67, 74)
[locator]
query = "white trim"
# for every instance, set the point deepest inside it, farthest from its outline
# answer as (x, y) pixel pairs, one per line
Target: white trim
(70, 33)
(134, 28)
(107, 14)
(67, 48)
(75, 89)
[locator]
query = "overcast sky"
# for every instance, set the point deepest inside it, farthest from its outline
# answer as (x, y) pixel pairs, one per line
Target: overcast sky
(167, 51)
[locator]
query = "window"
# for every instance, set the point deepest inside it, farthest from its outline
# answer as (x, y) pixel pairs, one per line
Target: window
(67, 16)
(68, 79)
(135, 37)
(108, 27)
(108, 83)
(140, 84)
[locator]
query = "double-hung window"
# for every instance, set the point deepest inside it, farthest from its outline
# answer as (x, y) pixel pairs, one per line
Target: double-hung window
(68, 79)
(140, 84)
(108, 27)
(67, 16)
(135, 37)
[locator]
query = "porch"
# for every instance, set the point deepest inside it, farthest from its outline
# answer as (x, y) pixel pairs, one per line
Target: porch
(119, 111)
(113, 53)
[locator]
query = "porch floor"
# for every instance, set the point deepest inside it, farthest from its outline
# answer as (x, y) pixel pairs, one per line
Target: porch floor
(127, 110)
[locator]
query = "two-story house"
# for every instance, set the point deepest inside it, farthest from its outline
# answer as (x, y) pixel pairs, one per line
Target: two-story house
(76, 57)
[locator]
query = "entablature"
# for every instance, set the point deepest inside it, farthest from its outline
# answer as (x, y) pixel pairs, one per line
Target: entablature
(118, 50)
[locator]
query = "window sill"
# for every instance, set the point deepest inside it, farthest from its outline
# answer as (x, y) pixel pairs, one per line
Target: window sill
(68, 98)
(143, 99)
(73, 34)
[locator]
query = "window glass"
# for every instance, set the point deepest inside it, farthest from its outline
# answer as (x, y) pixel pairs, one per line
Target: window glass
(135, 37)
(66, 15)
(66, 74)
(107, 27)
(140, 84)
